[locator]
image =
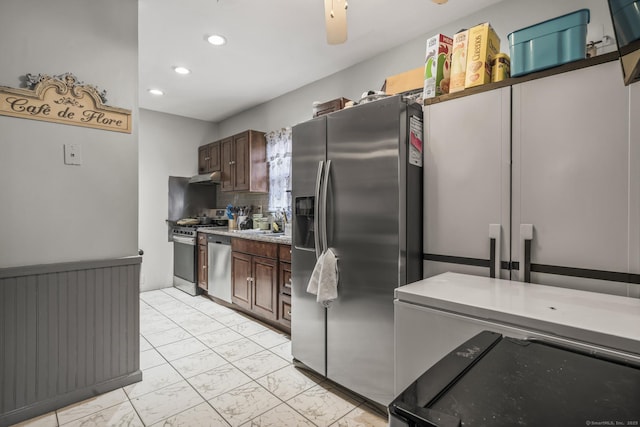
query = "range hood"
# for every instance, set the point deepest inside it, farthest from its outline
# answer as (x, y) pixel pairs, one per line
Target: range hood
(206, 179)
(625, 15)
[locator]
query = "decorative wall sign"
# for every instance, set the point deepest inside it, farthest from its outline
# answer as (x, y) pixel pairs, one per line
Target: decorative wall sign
(63, 99)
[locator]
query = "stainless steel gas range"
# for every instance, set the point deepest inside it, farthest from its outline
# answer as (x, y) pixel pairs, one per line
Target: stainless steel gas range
(185, 256)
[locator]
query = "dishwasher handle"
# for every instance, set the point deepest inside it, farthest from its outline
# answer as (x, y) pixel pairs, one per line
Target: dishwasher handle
(218, 239)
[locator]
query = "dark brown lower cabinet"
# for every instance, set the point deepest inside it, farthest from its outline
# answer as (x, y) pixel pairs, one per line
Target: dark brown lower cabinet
(240, 276)
(254, 278)
(265, 287)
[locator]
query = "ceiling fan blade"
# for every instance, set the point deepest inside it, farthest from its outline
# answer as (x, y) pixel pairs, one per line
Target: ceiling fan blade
(336, 24)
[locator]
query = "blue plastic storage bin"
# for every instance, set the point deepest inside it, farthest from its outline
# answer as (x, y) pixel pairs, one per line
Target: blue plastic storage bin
(549, 43)
(626, 20)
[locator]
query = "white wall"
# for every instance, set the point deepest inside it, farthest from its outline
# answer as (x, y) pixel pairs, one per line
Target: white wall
(168, 147)
(51, 212)
(505, 17)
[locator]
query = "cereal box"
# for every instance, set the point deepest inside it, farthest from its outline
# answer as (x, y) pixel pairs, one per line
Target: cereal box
(437, 66)
(458, 61)
(482, 45)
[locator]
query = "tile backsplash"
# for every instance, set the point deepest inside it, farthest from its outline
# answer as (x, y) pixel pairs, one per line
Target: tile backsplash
(242, 199)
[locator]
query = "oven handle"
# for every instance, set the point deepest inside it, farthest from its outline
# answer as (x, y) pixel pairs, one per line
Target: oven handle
(185, 240)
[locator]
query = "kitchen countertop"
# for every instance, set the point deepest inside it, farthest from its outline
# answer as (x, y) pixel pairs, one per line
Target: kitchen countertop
(261, 237)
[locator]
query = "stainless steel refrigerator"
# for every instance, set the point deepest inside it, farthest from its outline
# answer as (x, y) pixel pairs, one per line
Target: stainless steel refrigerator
(357, 189)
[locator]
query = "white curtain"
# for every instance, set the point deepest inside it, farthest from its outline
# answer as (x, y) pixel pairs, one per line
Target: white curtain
(279, 158)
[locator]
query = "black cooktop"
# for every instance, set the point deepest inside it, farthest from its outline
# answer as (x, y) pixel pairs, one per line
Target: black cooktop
(492, 380)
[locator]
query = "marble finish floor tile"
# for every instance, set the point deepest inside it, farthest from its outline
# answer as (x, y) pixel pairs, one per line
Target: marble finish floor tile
(154, 379)
(156, 325)
(219, 337)
(323, 404)
(218, 381)
(122, 415)
(204, 327)
(260, 364)
(214, 310)
(176, 293)
(144, 344)
(232, 319)
(198, 363)
(167, 337)
(181, 349)
(91, 406)
(289, 381)
(150, 358)
(46, 420)
(283, 350)
(237, 350)
(166, 402)
(280, 416)
(362, 416)
(178, 308)
(156, 297)
(269, 338)
(202, 415)
(244, 403)
(248, 328)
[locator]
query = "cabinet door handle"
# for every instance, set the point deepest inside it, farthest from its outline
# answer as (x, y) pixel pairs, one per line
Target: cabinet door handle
(287, 285)
(289, 313)
(494, 250)
(207, 158)
(526, 236)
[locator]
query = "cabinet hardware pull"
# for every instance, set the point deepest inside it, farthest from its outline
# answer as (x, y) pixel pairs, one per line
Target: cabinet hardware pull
(286, 285)
(494, 250)
(289, 313)
(526, 236)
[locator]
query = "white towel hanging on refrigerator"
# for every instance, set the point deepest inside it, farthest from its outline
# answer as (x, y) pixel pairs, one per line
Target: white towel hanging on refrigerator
(324, 278)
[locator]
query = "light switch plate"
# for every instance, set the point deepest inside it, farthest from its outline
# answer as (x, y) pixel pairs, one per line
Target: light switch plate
(72, 154)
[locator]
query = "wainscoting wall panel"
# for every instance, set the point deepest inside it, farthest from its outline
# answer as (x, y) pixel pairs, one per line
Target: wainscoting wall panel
(67, 332)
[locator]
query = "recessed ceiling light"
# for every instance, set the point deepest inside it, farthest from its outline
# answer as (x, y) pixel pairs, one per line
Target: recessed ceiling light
(439, 1)
(181, 70)
(216, 40)
(156, 92)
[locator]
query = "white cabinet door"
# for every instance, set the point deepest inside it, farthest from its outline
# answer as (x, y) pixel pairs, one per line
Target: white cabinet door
(571, 175)
(466, 182)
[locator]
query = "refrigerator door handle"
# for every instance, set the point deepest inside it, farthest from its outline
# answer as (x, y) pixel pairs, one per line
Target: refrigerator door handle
(325, 217)
(316, 210)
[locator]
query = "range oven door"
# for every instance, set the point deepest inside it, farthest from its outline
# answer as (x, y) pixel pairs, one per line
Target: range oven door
(184, 264)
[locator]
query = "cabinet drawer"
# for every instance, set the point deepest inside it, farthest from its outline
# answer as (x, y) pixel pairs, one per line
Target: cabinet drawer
(285, 310)
(253, 247)
(285, 278)
(284, 253)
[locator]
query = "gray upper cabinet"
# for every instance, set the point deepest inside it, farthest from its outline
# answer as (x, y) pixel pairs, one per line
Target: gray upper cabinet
(466, 182)
(572, 175)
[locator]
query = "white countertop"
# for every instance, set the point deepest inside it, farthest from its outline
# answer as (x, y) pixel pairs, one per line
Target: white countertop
(608, 319)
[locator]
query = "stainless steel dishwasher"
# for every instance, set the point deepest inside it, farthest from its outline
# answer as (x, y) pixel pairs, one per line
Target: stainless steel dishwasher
(219, 248)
